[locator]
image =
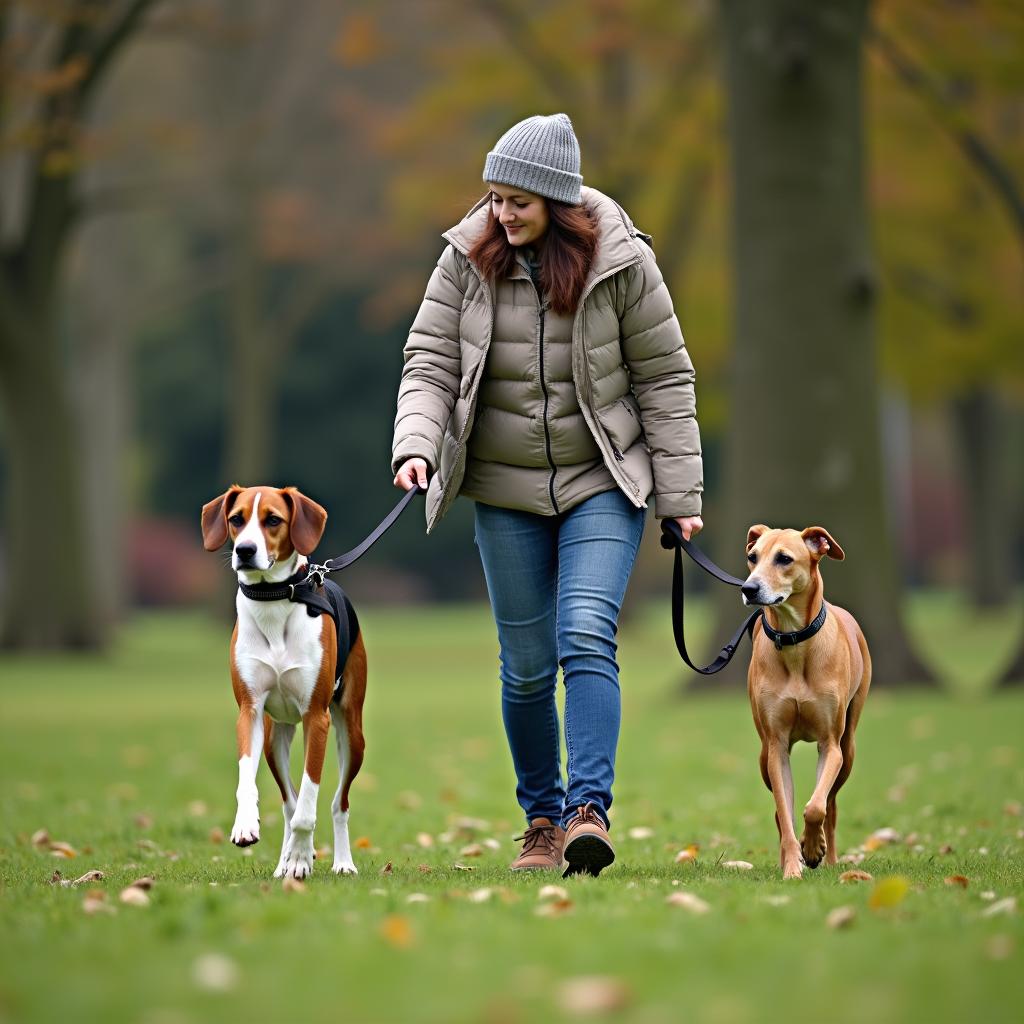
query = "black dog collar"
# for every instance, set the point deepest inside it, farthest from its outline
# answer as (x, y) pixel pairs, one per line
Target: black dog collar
(304, 587)
(792, 639)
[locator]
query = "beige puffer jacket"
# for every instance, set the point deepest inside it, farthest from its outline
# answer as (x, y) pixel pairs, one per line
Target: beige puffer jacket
(632, 373)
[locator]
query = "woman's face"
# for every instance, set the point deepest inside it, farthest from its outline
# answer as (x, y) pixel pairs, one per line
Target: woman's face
(523, 215)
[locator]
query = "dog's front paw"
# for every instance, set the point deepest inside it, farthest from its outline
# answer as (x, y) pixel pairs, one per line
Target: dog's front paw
(812, 843)
(792, 869)
(297, 860)
(246, 830)
(344, 867)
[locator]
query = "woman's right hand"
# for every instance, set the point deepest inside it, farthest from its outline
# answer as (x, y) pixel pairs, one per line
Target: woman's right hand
(411, 473)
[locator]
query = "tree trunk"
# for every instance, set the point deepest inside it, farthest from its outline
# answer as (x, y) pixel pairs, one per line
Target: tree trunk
(980, 430)
(804, 443)
(48, 601)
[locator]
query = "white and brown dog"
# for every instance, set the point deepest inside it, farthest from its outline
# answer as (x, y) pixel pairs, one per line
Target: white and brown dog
(809, 676)
(285, 668)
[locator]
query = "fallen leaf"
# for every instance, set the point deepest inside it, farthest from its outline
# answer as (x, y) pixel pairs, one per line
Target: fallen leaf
(988, 894)
(492, 844)
(290, 884)
(57, 878)
(852, 858)
(776, 899)
(396, 931)
(89, 876)
(215, 973)
(552, 892)
(409, 801)
(95, 902)
(1013, 808)
(322, 852)
(473, 850)
(424, 839)
(855, 876)
(946, 848)
(889, 892)
(425, 869)
(687, 853)
(463, 867)
(143, 820)
(640, 832)
(145, 882)
(197, 808)
(362, 843)
(738, 865)
(417, 897)
(1004, 906)
(386, 870)
(841, 917)
(216, 835)
(480, 895)
(960, 880)
(134, 896)
(879, 838)
(63, 850)
(688, 901)
(592, 995)
(41, 839)
(554, 907)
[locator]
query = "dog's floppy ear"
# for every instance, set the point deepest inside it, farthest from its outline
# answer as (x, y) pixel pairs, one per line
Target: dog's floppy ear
(754, 535)
(215, 518)
(308, 520)
(820, 544)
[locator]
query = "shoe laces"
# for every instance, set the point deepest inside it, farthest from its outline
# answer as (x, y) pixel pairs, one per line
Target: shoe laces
(539, 835)
(587, 815)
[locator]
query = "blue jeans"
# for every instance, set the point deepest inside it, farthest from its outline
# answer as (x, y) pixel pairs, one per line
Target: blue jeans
(556, 584)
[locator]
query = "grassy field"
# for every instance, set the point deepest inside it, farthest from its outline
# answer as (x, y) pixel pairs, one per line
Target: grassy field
(129, 759)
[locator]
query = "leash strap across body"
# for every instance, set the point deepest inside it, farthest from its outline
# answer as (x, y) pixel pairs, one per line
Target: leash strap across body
(672, 538)
(306, 586)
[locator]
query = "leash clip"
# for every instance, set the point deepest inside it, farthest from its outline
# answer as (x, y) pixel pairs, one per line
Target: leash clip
(316, 574)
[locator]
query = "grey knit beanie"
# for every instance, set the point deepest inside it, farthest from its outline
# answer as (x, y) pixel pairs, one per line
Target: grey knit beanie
(541, 155)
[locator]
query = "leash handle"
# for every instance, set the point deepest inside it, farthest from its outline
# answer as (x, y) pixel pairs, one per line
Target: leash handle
(334, 564)
(672, 539)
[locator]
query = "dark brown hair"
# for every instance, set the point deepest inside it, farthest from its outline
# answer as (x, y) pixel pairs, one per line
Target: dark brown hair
(565, 257)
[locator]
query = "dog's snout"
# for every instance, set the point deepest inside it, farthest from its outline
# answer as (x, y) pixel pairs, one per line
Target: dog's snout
(245, 552)
(750, 590)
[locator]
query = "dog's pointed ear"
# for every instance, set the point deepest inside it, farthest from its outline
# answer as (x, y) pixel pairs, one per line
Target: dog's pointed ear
(754, 535)
(820, 544)
(308, 520)
(215, 518)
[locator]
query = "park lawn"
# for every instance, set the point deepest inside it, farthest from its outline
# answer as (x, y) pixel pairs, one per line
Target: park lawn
(129, 758)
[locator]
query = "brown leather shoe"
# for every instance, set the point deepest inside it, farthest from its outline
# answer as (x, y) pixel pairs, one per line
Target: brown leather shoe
(587, 847)
(542, 847)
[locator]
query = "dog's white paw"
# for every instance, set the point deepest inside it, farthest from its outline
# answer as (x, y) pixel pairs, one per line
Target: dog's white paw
(246, 829)
(344, 867)
(297, 860)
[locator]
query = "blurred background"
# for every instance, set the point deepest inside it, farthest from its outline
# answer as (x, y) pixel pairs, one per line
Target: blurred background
(219, 217)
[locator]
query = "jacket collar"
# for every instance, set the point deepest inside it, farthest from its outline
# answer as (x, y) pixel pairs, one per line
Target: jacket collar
(616, 246)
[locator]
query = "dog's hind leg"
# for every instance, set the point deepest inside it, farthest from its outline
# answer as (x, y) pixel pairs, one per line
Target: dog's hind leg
(277, 747)
(347, 714)
(848, 747)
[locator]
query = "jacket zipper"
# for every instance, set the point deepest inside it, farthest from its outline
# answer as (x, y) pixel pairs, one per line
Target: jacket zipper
(547, 433)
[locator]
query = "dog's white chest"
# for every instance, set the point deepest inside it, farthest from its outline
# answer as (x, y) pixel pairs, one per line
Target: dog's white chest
(278, 654)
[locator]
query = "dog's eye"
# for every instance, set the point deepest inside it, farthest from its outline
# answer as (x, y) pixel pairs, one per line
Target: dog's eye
(273, 521)
(781, 559)
(752, 558)
(237, 519)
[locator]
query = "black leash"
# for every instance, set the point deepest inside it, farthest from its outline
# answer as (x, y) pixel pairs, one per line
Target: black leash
(672, 537)
(306, 585)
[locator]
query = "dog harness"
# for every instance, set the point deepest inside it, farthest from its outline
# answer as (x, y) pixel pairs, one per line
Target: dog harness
(321, 597)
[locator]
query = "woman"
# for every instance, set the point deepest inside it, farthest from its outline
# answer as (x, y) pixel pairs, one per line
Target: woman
(546, 378)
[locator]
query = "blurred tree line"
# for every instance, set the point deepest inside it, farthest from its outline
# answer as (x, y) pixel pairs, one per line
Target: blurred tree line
(242, 219)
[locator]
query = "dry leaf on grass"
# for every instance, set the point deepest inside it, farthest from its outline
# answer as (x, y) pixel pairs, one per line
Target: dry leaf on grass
(738, 865)
(216, 835)
(215, 972)
(473, 850)
(554, 907)
(64, 850)
(687, 853)
(640, 832)
(841, 917)
(879, 838)
(145, 882)
(290, 884)
(1004, 906)
(888, 892)
(594, 995)
(362, 843)
(463, 867)
(424, 869)
(480, 895)
(134, 897)
(322, 852)
(41, 839)
(95, 902)
(946, 848)
(552, 892)
(143, 820)
(387, 869)
(424, 839)
(960, 880)
(855, 876)
(688, 901)
(396, 931)
(417, 897)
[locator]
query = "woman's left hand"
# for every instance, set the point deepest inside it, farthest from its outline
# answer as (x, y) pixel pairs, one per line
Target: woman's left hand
(690, 525)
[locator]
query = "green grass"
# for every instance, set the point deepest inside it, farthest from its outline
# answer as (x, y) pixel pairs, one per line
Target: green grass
(90, 744)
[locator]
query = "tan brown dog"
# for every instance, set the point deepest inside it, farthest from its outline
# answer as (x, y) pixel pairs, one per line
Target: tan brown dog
(286, 667)
(809, 676)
